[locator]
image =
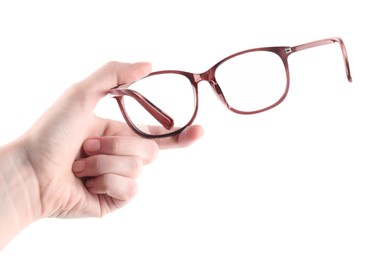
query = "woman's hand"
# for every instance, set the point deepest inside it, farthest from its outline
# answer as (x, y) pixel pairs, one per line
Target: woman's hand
(74, 164)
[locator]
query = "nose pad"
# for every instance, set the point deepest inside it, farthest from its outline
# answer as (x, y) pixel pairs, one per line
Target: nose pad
(218, 92)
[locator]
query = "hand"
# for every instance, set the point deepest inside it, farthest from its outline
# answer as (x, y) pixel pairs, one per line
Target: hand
(74, 164)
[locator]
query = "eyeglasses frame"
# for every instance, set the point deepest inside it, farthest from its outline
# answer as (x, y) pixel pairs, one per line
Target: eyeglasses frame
(195, 78)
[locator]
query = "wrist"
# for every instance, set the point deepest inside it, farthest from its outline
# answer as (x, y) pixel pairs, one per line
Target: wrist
(19, 192)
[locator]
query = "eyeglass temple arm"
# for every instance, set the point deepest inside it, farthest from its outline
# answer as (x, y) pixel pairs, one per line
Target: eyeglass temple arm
(163, 118)
(324, 42)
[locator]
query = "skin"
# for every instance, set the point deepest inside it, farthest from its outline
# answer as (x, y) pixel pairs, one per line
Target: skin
(72, 164)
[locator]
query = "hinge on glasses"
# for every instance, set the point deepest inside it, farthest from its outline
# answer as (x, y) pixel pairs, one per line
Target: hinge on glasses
(288, 50)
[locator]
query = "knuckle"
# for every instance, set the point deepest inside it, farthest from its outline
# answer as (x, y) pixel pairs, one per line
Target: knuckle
(136, 166)
(112, 65)
(131, 191)
(105, 182)
(98, 163)
(153, 152)
(115, 146)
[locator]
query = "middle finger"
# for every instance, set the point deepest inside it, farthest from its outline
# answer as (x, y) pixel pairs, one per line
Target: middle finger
(96, 165)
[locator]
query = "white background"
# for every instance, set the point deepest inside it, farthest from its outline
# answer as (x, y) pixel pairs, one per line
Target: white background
(310, 179)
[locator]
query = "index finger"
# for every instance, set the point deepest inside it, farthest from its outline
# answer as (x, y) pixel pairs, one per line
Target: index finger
(183, 139)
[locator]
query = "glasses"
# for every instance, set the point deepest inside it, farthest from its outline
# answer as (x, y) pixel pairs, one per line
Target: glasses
(165, 102)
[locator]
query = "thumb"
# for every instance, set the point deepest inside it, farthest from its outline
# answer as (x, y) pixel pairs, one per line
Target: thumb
(109, 76)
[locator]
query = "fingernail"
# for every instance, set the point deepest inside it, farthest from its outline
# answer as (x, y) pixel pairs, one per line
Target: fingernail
(92, 145)
(78, 166)
(89, 183)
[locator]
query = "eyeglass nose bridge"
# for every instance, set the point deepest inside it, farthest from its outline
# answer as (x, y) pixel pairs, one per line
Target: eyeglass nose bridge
(218, 92)
(209, 77)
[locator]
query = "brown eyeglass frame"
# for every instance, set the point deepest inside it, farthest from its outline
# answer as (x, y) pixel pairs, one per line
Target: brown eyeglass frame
(167, 122)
